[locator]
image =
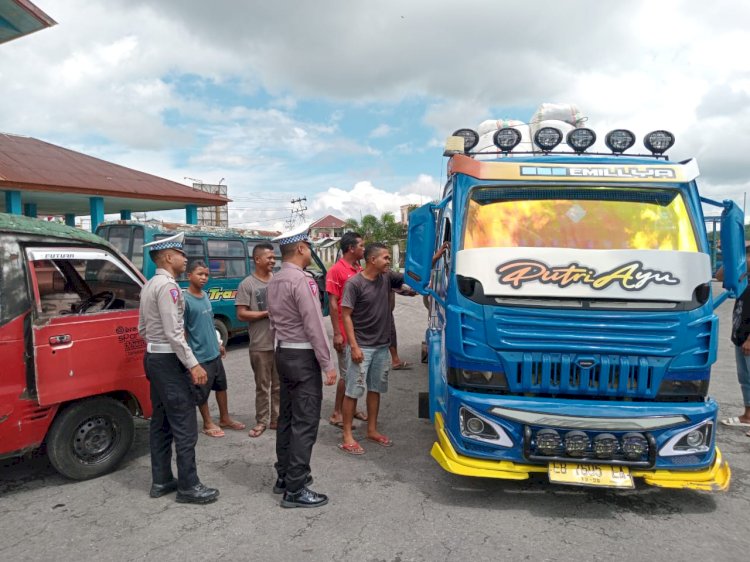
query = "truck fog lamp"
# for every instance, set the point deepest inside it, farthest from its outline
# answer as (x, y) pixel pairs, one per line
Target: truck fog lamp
(634, 446)
(475, 425)
(548, 138)
(576, 443)
(619, 140)
(694, 438)
(658, 142)
(470, 136)
(605, 445)
(507, 138)
(580, 139)
(548, 442)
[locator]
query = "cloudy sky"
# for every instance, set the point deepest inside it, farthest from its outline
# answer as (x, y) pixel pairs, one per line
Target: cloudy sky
(348, 103)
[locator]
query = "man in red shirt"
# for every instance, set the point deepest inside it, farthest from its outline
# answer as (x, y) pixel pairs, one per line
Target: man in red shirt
(352, 250)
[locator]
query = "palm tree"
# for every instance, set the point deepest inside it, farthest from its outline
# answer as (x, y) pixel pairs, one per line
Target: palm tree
(385, 229)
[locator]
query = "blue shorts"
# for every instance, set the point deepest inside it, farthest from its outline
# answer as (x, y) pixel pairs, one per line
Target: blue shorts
(371, 374)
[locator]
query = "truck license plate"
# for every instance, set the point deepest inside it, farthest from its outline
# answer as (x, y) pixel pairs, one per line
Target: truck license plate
(605, 475)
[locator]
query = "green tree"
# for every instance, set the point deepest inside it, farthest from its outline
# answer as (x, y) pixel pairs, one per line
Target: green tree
(384, 229)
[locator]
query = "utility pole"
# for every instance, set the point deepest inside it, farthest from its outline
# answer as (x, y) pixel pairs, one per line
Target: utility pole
(297, 215)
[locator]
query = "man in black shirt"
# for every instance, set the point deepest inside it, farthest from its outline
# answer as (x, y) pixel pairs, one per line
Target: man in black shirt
(367, 322)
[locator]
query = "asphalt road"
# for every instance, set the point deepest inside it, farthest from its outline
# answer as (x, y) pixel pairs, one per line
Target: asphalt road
(392, 504)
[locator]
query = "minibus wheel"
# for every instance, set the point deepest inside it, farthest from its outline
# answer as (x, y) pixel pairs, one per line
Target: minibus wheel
(90, 437)
(223, 331)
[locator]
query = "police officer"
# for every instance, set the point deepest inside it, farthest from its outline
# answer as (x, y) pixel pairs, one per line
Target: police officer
(172, 370)
(302, 350)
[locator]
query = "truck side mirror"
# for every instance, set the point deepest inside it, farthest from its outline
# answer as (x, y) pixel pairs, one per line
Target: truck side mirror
(733, 249)
(420, 242)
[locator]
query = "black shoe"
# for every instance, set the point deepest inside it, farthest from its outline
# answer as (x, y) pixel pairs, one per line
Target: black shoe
(159, 490)
(304, 497)
(197, 494)
(280, 486)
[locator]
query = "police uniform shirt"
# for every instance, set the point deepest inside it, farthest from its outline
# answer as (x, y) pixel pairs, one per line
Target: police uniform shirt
(161, 316)
(294, 311)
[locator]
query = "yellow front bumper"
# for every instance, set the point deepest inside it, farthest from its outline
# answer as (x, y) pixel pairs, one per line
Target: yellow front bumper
(714, 479)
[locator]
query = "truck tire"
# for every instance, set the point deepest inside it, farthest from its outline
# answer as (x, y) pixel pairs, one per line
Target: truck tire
(90, 438)
(223, 330)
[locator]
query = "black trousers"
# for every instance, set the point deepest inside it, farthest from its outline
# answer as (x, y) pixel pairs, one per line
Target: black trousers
(299, 414)
(173, 419)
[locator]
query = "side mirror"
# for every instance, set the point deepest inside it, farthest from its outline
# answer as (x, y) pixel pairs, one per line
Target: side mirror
(733, 249)
(420, 242)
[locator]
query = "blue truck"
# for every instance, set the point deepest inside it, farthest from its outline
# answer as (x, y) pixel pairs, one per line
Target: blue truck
(572, 323)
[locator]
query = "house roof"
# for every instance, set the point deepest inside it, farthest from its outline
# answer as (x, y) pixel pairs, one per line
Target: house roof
(59, 180)
(328, 221)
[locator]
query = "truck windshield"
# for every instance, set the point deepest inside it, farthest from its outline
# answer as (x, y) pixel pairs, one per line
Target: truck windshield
(592, 217)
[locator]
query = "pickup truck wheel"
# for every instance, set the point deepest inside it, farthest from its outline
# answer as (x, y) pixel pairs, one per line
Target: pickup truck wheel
(90, 438)
(223, 331)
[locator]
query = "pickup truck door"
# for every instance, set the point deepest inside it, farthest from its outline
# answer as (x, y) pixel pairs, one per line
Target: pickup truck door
(85, 327)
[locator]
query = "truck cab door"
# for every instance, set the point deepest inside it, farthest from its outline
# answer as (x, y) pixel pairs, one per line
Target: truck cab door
(733, 249)
(420, 247)
(85, 323)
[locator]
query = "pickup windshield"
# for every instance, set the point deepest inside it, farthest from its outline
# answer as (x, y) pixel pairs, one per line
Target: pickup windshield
(592, 218)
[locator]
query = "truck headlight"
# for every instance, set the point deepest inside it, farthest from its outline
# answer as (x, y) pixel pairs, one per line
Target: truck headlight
(674, 390)
(480, 379)
(694, 439)
(477, 427)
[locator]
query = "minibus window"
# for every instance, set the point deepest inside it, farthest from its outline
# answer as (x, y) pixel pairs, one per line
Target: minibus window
(226, 258)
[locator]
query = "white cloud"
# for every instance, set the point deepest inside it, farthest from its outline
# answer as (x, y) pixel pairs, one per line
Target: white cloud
(364, 198)
(382, 130)
(106, 74)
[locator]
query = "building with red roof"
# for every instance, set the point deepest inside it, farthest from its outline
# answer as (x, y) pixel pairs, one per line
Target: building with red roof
(327, 227)
(39, 178)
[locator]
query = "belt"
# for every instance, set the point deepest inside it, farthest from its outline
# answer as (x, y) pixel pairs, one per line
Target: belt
(159, 348)
(295, 345)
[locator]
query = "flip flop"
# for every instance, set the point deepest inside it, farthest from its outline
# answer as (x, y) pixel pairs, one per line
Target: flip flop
(257, 431)
(214, 432)
(361, 416)
(734, 421)
(403, 366)
(237, 426)
(383, 441)
(340, 424)
(351, 448)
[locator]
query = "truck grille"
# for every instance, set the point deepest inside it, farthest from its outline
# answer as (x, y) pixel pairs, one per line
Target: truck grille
(601, 375)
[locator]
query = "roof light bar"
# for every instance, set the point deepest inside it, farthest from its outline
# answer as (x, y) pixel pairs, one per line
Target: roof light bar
(658, 142)
(507, 138)
(548, 138)
(580, 139)
(619, 140)
(470, 136)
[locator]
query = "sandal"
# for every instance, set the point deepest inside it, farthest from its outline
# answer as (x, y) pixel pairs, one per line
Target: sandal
(257, 431)
(381, 440)
(403, 366)
(237, 426)
(734, 421)
(362, 416)
(214, 432)
(352, 448)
